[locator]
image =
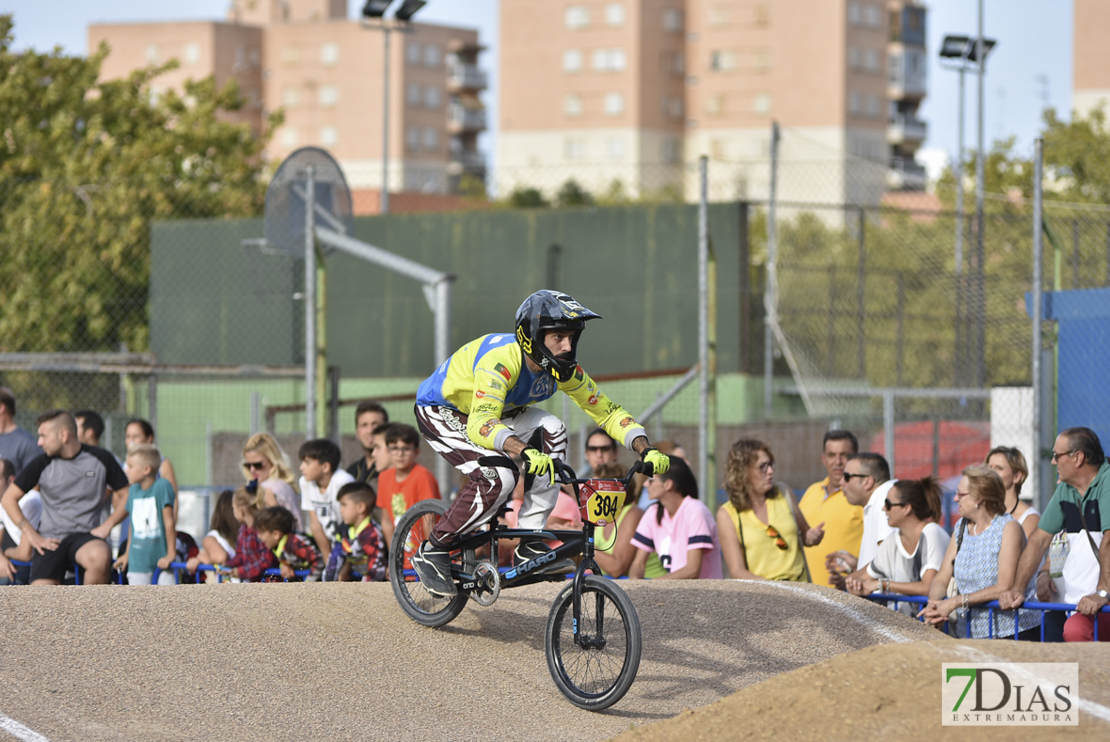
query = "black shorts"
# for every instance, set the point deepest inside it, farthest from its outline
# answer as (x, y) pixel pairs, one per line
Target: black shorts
(53, 565)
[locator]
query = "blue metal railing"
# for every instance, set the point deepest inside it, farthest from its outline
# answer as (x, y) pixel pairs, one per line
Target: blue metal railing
(177, 567)
(921, 600)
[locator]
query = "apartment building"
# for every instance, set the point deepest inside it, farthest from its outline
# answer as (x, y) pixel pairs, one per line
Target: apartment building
(1090, 56)
(327, 74)
(632, 89)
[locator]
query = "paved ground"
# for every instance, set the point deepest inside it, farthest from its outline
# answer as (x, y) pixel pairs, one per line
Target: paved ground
(342, 662)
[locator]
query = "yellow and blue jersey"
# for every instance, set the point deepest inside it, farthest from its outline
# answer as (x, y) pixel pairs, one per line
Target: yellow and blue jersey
(488, 377)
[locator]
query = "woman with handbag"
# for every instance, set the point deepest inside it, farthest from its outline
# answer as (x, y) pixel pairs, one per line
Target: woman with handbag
(983, 558)
(908, 560)
(760, 527)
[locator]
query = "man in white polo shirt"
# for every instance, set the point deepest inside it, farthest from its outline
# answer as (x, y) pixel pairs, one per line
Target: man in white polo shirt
(866, 483)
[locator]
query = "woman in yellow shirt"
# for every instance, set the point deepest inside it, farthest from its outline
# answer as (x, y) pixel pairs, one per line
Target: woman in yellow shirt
(760, 524)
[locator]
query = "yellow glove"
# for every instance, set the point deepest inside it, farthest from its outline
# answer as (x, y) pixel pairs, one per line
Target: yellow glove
(538, 464)
(659, 462)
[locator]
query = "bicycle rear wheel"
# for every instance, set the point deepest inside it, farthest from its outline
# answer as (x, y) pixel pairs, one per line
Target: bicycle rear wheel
(597, 675)
(420, 605)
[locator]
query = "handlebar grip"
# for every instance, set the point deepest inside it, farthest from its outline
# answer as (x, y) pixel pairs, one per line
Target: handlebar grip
(564, 473)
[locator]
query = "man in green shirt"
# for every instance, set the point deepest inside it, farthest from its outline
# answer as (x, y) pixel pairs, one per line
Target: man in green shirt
(1081, 507)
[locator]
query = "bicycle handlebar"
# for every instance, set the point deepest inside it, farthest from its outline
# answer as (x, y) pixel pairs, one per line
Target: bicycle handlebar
(567, 475)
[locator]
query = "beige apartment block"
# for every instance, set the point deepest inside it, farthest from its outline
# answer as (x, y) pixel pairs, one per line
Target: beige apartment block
(591, 91)
(709, 77)
(326, 73)
(1091, 56)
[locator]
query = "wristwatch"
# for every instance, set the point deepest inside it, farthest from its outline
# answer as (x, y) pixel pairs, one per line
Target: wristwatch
(1104, 595)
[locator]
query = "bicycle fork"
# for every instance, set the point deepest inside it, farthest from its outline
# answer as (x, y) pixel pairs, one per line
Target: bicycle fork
(582, 640)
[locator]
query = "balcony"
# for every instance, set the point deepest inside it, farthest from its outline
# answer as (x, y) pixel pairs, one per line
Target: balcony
(906, 74)
(906, 175)
(460, 118)
(467, 161)
(904, 129)
(461, 76)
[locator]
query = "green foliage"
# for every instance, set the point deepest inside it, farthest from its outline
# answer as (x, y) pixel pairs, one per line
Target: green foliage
(572, 194)
(473, 187)
(527, 198)
(85, 165)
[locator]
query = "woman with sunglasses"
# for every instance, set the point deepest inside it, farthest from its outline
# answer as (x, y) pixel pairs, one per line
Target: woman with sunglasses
(1011, 467)
(983, 556)
(760, 524)
(263, 460)
(908, 560)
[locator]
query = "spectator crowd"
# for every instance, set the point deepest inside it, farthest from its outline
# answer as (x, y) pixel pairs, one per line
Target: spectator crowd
(858, 529)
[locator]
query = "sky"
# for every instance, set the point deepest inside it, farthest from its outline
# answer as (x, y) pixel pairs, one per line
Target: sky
(1030, 67)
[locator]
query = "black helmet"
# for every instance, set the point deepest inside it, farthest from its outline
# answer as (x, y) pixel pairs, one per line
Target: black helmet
(551, 310)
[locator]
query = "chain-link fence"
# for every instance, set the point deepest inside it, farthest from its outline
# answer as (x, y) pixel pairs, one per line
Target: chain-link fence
(197, 326)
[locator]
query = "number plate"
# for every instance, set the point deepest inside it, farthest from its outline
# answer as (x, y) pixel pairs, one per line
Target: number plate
(601, 500)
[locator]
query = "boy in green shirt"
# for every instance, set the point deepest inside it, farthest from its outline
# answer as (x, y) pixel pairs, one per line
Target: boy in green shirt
(152, 535)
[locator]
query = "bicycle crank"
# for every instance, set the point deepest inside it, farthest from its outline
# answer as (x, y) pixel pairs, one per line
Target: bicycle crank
(486, 585)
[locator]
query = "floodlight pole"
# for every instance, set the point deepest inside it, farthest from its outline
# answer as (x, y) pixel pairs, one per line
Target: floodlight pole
(385, 121)
(309, 304)
(980, 288)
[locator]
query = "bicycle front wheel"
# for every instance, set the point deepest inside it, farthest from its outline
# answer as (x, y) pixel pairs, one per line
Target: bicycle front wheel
(420, 605)
(597, 670)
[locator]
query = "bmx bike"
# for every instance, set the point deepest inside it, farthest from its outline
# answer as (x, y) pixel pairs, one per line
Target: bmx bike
(592, 637)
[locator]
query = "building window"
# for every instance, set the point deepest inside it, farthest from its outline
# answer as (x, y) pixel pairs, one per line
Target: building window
(762, 15)
(240, 58)
(431, 138)
(717, 149)
(872, 16)
(614, 14)
(153, 53)
(412, 138)
(609, 60)
(328, 136)
(572, 60)
(254, 57)
(855, 57)
(290, 97)
(574, 148)
(329, 96)
(761, 104)
(431, 55)
(614, 104)
(191, 55)
(572, 105)
(412, 94)
(873, 106)
(431, 97)
(871, 60)
(855, 104)
(761, 60)
(289, 137)
(855, 14)
(615, 148)
(715, 104)
(290, 54)
(577, 16)
(329, 54)
(718, 16)
(722, 60)
(672, 20)
(672, 150)
(671, 106)
(412, 52)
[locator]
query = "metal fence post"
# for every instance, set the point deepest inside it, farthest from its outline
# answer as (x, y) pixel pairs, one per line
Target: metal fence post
(309, 307)
(1038, 257)
(888, 428)
(703, 320)
(769, 288)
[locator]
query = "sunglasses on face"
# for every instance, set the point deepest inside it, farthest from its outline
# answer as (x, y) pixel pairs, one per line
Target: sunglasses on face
(766, 466)
(254, 465)
(779, 540)
(1058, 456)
(887, 504)
(599, 449)
(848, 476)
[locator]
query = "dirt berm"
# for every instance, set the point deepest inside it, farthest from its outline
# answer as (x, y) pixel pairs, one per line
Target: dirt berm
(342, 662)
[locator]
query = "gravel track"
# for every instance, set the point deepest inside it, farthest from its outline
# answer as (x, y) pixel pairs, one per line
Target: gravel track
(340, 661)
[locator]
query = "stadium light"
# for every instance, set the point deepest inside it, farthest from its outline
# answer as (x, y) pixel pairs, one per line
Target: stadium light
(964, 48)
(375, 8)
(408, 9)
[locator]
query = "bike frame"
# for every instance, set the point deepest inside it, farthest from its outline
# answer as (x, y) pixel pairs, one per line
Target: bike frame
(575, 543)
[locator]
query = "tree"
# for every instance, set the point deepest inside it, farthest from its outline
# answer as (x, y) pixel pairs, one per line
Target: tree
(85, 165)
(572, 194)
(527, 198)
